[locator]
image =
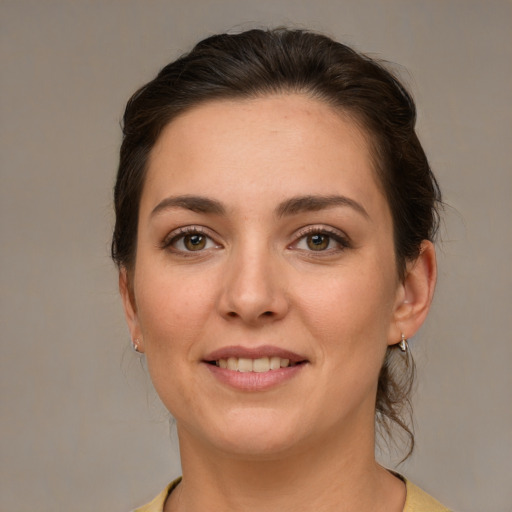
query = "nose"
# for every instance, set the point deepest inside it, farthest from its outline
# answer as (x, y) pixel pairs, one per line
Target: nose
(253, 289)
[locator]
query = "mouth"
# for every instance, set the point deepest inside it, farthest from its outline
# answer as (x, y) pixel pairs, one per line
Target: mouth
(259, 365)
(254, 360)
(255, 369)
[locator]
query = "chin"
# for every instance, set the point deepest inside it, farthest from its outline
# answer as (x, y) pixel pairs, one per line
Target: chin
(259, 434)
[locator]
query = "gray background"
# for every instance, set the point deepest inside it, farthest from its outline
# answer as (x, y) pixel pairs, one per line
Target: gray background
(81, 428)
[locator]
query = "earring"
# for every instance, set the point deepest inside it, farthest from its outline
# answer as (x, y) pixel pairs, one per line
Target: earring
(404, 346)
(135, 345)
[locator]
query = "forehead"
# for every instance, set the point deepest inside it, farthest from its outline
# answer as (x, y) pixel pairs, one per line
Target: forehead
(279, 144)
(294, 115)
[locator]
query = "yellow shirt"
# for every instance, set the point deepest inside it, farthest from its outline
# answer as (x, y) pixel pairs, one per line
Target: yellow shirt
(416, 500)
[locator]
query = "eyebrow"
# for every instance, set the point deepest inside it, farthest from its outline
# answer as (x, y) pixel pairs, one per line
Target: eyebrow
(311, 203)
(292, 206)
(198, 204)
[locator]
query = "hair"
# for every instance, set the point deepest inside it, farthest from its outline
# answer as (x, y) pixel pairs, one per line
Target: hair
(259, 63)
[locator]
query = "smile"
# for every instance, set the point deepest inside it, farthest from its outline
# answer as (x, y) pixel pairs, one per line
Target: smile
(254, 368)
(259, 365)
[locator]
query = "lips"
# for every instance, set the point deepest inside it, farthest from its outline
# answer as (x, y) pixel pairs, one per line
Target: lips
(253, 369)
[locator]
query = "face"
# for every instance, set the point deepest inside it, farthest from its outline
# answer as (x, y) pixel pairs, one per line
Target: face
(265, 290)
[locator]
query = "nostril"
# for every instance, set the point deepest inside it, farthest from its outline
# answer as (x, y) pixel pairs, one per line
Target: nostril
(268, 313)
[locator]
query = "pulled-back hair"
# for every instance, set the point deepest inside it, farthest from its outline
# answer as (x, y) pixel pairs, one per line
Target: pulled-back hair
(257, 63)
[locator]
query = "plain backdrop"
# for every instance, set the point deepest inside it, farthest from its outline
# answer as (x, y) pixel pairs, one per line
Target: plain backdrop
(81, 428)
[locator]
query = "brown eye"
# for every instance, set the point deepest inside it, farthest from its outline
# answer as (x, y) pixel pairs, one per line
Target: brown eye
(317, 242)
(189, 239)
(323, 240)
(194, 242)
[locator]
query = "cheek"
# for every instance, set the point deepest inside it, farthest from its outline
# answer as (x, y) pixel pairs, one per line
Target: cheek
(172, 309)
(350, 309)
(349, 322)
(173, 312)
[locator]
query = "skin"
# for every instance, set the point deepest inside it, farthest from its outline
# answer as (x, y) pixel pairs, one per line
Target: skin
(258, 281)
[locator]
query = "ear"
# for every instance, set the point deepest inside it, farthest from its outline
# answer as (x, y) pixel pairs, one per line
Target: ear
(414, 295)
(130, 308)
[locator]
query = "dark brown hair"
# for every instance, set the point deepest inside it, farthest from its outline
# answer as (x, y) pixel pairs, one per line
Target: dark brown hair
(263, 62)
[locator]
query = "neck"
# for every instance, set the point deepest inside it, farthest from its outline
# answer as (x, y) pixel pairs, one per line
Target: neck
(334, 475)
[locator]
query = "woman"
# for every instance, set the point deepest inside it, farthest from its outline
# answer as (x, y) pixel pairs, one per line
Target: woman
(274, 222)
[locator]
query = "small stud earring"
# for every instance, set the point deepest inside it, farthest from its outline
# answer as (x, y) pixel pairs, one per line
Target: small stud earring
(404, 346)
(135, 345)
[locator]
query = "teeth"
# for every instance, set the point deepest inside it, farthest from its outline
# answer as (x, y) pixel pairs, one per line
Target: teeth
(244, 365)
(275, 363)
(260, 365)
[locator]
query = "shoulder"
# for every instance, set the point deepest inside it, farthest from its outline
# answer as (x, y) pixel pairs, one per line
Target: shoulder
(157, 504)
(418, 500)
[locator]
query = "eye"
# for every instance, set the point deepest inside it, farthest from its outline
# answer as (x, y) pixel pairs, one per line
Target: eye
(189, 240)
(318, 242)
(195, 242)
(321, 240)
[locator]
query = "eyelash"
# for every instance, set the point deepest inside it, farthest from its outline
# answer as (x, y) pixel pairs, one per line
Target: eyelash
(180, 234)
(331, 233)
